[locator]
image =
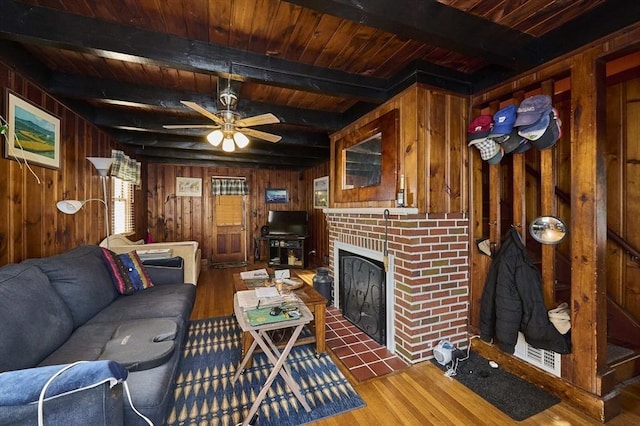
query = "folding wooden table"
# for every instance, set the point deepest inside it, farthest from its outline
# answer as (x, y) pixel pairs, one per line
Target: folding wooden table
(278, 359)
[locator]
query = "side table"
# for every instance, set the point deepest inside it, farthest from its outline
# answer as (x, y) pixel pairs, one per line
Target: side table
(278, 359)
(313, 300)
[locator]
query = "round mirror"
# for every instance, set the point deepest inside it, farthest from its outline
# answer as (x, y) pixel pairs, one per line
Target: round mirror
(548, 230)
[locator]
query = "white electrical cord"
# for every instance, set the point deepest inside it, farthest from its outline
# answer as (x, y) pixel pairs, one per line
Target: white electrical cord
(44, 390)
(62, 370)
(126, 390)
(453, 369)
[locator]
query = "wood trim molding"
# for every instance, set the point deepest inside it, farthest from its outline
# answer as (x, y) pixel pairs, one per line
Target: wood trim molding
(386, 124)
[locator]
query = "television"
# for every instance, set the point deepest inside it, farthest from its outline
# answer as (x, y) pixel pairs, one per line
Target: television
(288, 222)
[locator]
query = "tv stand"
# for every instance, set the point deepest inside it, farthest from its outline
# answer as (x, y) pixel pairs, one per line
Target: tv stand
(286, 251)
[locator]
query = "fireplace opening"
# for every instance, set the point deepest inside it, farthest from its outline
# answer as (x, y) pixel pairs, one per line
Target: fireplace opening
(363, 294)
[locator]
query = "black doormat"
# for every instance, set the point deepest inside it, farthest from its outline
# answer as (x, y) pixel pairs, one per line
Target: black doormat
(512, 395)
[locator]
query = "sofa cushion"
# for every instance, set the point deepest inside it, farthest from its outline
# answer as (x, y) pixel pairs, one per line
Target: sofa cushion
(35, 320)
(82, 280)
(127, 271)
(172, 300)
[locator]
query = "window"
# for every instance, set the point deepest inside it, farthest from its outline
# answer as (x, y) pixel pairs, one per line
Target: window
(122, 206)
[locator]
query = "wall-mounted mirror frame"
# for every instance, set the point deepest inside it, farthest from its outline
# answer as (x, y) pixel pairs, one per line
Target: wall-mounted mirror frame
(548, 230)
(387, 126)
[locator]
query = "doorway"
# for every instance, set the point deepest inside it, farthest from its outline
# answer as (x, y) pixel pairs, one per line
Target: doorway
(229, 230)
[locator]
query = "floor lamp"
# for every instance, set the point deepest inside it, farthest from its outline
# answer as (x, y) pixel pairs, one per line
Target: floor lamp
(102, 165)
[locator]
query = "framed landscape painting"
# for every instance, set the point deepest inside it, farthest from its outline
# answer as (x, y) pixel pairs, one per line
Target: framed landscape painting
(33, 135)
(188, 187)
(276, 195)
(321, 192)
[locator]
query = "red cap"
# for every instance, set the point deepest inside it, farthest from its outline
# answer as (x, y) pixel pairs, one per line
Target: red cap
(479, 127)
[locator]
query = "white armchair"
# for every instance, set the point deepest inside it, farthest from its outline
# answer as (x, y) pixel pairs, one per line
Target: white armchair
(187, 250)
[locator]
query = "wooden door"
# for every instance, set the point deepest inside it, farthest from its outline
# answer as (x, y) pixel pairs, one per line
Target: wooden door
(229, 230)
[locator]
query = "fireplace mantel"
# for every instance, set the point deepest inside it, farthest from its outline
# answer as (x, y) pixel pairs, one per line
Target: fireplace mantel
(372, 210)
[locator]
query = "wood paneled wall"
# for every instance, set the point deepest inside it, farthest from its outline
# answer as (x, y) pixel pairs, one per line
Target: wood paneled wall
(432, 150)
(622, 156)
(30, 224)
(172, 218)
(579, 165)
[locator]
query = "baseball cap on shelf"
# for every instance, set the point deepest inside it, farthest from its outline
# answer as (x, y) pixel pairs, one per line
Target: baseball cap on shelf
(503, 121)
(531, 109)
(490, 151)
(535, 130)
(552, 133)
(525, 145)
(479, 128)
(510, 142)
(496, 158)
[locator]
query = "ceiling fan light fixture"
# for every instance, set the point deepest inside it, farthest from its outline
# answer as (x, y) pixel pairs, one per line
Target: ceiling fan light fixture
(228, 99)
(215, 137)
(228, 145)
(241, 140)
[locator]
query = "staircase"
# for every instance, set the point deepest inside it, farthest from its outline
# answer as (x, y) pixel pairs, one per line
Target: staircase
(623, 329)
(623, 349)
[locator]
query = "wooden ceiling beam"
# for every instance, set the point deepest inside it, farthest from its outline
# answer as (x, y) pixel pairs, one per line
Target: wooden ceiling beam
(232, 159)
(606, 18)
(434, 23)
(52, 28)
(202, 147)
(293, 140)
(117, 93)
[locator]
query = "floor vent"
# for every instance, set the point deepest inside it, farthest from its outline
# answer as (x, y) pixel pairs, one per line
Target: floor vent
(547, 360)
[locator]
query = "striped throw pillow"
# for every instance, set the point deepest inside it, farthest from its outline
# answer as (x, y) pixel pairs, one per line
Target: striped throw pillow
(127, 271)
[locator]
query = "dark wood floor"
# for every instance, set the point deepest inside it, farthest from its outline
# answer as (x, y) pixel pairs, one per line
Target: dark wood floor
(419, 395)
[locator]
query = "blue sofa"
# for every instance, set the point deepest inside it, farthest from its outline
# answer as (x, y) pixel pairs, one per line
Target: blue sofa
(57, 310)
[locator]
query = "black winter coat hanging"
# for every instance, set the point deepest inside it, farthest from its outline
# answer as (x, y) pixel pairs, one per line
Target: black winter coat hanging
(512, 301)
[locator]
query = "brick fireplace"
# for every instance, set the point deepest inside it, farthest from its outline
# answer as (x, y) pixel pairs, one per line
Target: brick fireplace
(427, 274)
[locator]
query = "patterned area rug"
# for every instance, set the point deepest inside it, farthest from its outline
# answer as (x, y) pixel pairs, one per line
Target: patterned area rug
(204, 395)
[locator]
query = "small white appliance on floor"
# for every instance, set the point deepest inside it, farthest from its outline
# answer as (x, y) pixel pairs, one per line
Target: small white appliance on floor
(443, 352)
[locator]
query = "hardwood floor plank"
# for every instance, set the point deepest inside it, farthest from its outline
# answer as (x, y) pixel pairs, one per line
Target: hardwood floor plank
(418, 395)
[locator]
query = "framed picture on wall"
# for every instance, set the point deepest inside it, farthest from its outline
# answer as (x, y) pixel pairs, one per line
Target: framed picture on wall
(321, 192)
(188, 187)
(33, 134)
(276, 195)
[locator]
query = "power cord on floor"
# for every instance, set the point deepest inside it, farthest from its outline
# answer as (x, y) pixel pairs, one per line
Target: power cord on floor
(452, 370)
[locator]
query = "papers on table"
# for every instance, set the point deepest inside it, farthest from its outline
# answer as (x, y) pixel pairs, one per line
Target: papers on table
(154, 254)
(281, 274)
(259, 297)
(255, 274)
(266, 292)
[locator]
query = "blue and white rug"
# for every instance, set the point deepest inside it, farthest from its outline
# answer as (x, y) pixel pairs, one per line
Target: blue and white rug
(204, 394)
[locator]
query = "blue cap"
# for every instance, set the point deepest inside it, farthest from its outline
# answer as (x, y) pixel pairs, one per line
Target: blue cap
(535, 130)
(504, 120)
(531, 109)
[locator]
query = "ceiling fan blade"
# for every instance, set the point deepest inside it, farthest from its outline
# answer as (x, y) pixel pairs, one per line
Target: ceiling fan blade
(191, 126)
(194, 106)
(257, 120)
(261, 135)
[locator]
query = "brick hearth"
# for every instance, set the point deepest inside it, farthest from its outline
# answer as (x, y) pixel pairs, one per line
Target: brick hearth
(430, 272)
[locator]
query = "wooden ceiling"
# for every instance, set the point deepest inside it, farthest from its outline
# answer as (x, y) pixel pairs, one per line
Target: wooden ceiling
(317, 65)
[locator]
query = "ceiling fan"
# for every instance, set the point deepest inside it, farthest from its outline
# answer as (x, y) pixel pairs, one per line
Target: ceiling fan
(230, 130)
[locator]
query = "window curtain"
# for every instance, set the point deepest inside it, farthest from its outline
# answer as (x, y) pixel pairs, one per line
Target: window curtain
(125, 168)
(229, 186)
